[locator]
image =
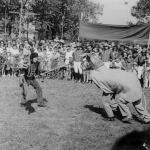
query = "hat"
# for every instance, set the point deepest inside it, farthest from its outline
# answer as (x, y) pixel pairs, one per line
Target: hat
(33, 55)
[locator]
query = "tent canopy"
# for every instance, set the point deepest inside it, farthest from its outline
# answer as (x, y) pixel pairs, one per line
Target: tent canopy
(113, 32)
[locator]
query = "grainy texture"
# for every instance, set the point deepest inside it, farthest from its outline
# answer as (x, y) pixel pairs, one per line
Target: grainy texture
(71, 121)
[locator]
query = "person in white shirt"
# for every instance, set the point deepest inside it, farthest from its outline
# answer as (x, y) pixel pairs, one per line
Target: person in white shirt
(49, 56)
(1, 50)
(44, 60)
(40, 53)
(9, 48)
(15, 50)
(56, 54)
(36, 48)
(118, 64)
(26, 50)
(68, 55)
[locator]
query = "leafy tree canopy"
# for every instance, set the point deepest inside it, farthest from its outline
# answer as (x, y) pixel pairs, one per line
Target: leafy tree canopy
(141, 10)
(55, 14)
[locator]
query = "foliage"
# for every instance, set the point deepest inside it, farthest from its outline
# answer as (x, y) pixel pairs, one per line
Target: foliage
(141, 10)
(60, 16)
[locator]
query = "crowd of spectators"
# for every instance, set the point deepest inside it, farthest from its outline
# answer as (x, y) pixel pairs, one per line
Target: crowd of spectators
(132, 58)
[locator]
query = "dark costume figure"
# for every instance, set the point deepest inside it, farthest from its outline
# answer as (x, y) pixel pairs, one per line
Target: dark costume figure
(31, 70)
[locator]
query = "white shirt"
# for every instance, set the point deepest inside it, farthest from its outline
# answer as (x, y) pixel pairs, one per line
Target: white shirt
(1, 50)
(9, 50)
(68, 54)
(26, 51)
(15, 51)
(40, 54)
(118, 65)
(50, 54)
(56, 55)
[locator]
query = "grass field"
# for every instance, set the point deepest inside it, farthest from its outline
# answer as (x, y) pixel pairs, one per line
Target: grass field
(72, 120)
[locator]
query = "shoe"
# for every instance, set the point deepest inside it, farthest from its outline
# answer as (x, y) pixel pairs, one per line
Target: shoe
(127, 119)
(41, 105)
(109, 119)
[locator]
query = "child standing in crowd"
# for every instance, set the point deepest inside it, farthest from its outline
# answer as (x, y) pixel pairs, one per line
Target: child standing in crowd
(85, 76)
(146, 71)
(135, 68)
(128, 64)
(9, 64)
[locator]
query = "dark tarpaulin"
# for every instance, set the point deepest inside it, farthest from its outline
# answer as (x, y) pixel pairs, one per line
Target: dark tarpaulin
(113, 32)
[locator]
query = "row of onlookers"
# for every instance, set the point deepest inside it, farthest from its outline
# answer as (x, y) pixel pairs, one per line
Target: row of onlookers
(131, 58)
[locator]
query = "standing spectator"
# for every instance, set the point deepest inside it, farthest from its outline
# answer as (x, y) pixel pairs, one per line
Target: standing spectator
(135, 68)
(135, 56)
(115, 52)
(15, 50)
(77, 63)
(147, 69)
(141, 63)
(9, 47)
(2, 47)
(68, 58)
(56, 53)
(121, 49)
(8, 64)
(107, 56)
(96, 50)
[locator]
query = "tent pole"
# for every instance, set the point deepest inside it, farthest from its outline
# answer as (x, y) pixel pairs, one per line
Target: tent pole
(149, 39)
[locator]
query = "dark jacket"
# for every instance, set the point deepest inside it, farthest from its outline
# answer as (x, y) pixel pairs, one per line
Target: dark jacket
(32, 70)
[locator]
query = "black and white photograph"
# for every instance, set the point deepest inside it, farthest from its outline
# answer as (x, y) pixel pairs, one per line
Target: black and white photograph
(75, 74)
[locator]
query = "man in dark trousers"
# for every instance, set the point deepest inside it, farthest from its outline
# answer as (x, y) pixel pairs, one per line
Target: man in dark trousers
(31, 70)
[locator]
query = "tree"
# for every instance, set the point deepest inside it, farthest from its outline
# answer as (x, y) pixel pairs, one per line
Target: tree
(141, 10)
(79, 10)
(61, 16)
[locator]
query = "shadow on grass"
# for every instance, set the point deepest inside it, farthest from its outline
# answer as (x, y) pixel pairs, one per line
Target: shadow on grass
(29, 106)
(96, 110)
(102, 112)
(117, 113)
